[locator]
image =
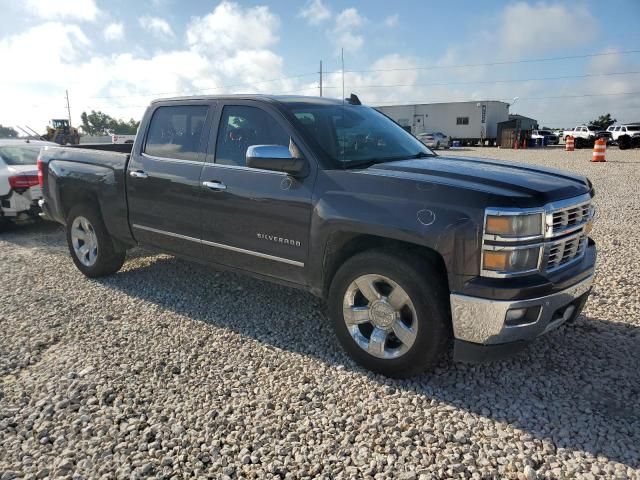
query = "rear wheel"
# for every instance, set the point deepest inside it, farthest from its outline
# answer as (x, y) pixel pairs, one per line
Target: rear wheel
(624, 142)
(390, 312)
(92, 248)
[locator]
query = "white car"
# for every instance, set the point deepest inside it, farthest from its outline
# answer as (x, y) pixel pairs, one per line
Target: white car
(546, 137)
(626, 136)
(19, 186)
(434, 140)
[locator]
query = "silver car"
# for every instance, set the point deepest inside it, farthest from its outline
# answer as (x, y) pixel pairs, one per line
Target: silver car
(434, 140)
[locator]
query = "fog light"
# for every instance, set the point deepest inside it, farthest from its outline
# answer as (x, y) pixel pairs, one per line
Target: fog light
(515, 316)
(521, 316)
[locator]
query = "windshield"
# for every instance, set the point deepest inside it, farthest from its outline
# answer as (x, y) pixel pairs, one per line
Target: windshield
(544, 132)
(592, 128)
(20, 155)
(354, 135)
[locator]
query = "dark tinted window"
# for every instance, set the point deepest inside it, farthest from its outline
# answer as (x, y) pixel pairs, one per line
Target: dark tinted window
(19, 155)
(242, 127)
(175, 132)
(462, 121)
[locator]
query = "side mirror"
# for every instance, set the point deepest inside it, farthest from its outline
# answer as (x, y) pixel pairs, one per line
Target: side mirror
(275, 157)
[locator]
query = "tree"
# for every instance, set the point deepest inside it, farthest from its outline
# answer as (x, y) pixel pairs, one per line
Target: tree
(99, 123)
(603, 121)
(8, 132)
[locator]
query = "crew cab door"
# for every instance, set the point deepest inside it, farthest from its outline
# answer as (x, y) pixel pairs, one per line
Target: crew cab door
(163, 178)
(253, 219)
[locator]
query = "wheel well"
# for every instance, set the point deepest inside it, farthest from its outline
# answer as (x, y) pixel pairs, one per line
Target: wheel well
(344, 245)
(69, 198)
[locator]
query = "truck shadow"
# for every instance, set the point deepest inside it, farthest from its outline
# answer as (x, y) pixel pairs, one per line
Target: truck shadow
(578, 388)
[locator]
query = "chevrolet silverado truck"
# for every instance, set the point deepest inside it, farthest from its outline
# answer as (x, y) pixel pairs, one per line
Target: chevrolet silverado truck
(413, 252)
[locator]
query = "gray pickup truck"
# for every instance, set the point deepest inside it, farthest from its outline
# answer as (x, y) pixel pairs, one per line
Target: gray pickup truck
(412, 251)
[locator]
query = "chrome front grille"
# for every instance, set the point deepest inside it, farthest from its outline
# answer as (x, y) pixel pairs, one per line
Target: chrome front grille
(563, 252)
(566, 220)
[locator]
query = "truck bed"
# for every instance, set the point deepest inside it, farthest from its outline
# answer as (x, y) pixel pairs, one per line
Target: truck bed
(72, 173)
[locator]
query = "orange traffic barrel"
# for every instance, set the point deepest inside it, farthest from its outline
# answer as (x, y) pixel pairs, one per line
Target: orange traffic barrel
(569, 145)
(599, 149)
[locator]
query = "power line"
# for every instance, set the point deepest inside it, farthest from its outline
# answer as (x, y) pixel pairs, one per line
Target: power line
(490, 81)
(506, 62)
(411, 102)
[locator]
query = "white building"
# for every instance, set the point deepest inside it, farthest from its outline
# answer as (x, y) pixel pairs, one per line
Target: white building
(466, 121)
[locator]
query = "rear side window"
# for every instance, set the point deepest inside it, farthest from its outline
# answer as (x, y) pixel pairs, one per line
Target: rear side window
(242, 127)
(176, 132)
(19, 155)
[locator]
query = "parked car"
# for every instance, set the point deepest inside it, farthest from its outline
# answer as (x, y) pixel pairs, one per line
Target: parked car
(434, 140)
(586, 135)
(19, 188)
(627, 136)
(117, 138)
(559, 133)
(545, 137)
(409, 249)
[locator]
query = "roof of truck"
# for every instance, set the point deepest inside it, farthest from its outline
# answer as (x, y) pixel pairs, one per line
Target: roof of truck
(259, 97)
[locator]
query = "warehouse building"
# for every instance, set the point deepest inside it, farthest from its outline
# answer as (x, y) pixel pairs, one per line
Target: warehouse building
(468, 122)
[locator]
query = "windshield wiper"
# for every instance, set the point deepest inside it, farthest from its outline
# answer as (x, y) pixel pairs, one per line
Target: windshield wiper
(372, 161)
(422, 155)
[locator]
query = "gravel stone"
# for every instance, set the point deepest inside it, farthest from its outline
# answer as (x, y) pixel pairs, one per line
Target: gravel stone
(172, 370)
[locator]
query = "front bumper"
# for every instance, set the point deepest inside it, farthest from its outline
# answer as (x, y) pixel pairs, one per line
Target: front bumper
(482, 331)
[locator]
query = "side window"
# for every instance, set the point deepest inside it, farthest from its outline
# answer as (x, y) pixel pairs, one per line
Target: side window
(242, 127)
(175, 132)
(462, 121)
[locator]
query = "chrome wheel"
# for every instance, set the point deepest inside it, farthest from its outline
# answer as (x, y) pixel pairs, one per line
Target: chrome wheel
(380, 316)
(84, 240)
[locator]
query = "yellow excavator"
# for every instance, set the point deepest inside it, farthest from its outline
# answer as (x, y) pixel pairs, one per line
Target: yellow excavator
(60, 131)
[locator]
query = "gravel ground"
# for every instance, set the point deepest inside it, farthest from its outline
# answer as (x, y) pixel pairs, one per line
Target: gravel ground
(170, 370)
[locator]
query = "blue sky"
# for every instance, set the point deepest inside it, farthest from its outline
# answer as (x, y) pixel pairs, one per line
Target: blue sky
(117, 55)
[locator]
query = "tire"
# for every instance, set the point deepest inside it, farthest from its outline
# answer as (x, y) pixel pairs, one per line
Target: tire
(437, 145)
(624, 142)
(423, 320)
(579, 143)
(101, 257)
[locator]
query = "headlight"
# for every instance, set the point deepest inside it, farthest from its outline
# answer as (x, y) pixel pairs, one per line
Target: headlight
(504, 260)
(528, 225)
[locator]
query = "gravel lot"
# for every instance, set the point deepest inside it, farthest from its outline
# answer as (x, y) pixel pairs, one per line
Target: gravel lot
(171, 370)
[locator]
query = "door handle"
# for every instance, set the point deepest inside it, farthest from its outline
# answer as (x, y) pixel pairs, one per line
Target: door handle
(138, 174)
(217, 186)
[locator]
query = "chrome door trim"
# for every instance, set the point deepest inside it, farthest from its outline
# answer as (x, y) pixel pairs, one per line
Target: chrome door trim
(221, 245)
(172, 160)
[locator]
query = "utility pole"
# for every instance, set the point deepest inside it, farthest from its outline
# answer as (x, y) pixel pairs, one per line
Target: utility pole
(320, 77)
(68, 108)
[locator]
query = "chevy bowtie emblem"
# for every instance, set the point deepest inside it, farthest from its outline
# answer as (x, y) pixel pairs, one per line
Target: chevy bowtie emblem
(273, 238)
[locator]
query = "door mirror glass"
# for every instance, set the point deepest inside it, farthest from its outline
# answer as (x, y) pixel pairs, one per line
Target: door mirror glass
(275, 157)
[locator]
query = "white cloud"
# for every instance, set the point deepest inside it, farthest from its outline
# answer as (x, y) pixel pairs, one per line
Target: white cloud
(86, 10)
(315, 12)
(157, 26)
(113, 31)
(241, 63)
(544, 27)
(392, 20)
(345, 33)
(231, 27)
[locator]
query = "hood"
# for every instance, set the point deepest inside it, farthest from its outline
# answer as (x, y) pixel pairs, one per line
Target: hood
(527, 185)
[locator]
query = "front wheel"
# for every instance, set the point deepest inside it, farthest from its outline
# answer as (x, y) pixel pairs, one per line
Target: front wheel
(92, 248)
(390, 312)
